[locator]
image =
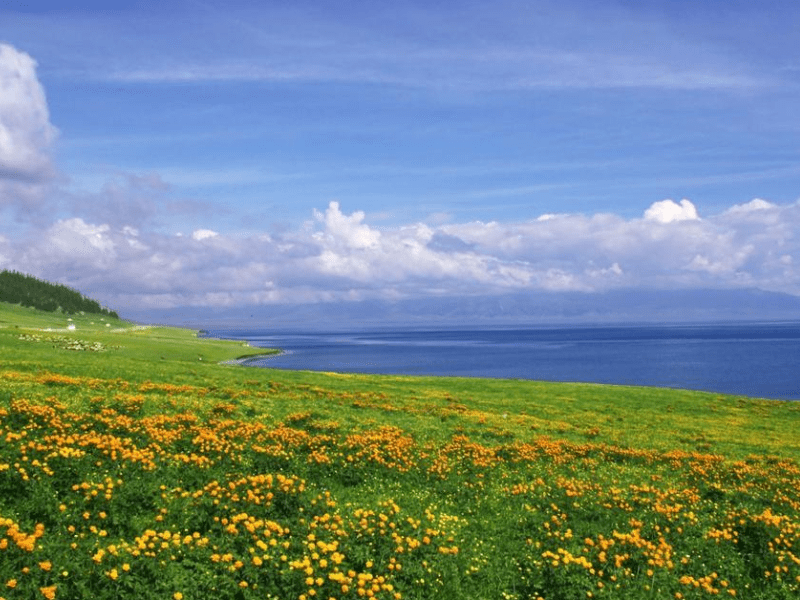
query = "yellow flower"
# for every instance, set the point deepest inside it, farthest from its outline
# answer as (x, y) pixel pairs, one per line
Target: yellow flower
(46, 565)
(11, 583)
(177, 596)
(48, 592)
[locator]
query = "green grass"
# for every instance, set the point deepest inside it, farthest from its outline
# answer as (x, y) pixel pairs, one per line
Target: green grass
(475, 488)
(131, 350)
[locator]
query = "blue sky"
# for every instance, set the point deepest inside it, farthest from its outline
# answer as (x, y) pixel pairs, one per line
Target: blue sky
(207, 153)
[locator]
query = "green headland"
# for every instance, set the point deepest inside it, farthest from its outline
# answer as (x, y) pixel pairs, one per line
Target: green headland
(135, 464)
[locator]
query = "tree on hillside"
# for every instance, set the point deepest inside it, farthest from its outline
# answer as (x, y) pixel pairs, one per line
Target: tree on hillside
(26, 290)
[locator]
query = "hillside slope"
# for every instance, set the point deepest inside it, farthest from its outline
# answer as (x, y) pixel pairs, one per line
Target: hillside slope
(133, 465)
(28, 291)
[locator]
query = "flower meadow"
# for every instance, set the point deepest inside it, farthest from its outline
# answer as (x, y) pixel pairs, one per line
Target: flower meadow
(113, 489)
(148, 471)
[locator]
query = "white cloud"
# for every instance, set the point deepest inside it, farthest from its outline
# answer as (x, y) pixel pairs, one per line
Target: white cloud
(74, 244)
(612, 271)
(204, 234)
(347, 231)
(65, 235)
(668, 211)
(25, 130)
(753, 205)
(341, 256)
(729, 263)
(5, 252)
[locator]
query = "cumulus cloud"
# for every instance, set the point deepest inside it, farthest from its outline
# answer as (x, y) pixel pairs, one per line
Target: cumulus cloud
(668, 211)
(754, 204)
(25, 130)
(203, 234)
(78, 244)
(340, 256)
(26, 137)
(346, 231)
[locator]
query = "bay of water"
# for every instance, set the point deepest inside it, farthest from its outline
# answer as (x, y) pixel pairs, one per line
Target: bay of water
(751, 359)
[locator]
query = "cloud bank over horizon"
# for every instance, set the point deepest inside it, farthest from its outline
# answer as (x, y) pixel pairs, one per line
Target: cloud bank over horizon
(339, 257)
(113, 244)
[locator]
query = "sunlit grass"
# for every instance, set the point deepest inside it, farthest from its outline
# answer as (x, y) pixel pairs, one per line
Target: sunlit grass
(145, 469)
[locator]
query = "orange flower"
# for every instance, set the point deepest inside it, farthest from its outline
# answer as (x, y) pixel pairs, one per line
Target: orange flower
(48, 592)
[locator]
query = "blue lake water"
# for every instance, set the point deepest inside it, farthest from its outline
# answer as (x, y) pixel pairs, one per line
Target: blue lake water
(760, 360)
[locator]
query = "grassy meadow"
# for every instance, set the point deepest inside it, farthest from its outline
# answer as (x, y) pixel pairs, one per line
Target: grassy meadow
(134, 465)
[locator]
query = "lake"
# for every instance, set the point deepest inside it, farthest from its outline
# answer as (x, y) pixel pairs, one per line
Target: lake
(751, 359)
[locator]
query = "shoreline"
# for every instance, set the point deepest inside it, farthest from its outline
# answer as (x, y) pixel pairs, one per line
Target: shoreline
(243, 360)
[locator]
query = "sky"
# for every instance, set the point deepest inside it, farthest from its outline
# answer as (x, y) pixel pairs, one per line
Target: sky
(201, 153)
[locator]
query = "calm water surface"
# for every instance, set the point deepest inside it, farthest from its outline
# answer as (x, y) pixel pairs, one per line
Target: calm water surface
(761, 360)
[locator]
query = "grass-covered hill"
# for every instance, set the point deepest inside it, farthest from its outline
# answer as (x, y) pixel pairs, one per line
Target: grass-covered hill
(28, 291)
(134, 465)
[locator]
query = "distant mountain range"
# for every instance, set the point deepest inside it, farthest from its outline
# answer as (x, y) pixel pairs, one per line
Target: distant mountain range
(620, 306)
